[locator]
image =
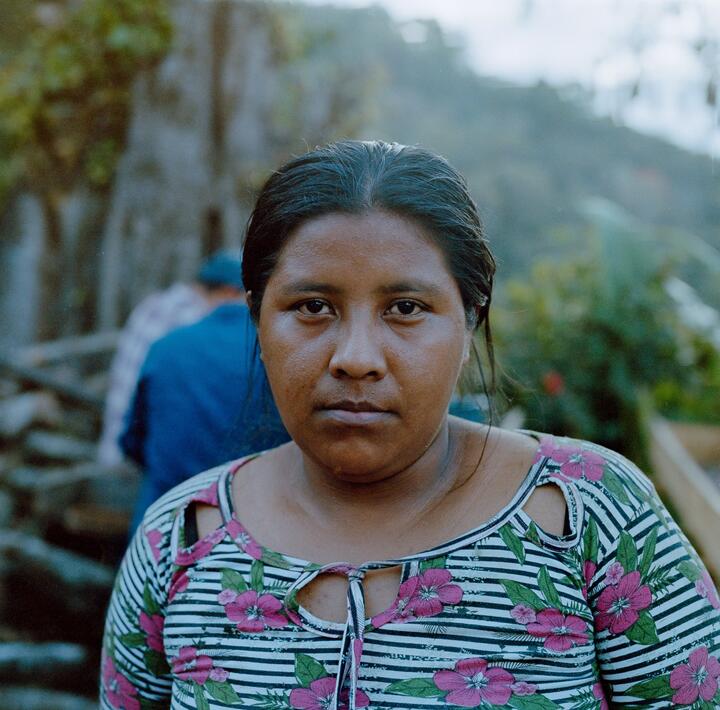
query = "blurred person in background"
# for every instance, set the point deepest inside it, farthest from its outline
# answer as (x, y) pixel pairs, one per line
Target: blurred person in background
(152, 318)
(391, 555)
(202, 396)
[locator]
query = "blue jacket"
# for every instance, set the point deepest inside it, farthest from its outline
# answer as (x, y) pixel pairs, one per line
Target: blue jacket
(202, 399)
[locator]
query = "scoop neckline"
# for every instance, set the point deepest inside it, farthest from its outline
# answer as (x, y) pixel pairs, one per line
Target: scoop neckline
(509, 511)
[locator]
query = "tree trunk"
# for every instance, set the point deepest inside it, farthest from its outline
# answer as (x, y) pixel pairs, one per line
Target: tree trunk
(50, 285)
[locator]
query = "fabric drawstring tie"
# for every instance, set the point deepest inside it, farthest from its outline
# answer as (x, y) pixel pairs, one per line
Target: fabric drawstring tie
(348, 671)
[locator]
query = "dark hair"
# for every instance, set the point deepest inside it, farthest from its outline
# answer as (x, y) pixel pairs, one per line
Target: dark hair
(353, 177)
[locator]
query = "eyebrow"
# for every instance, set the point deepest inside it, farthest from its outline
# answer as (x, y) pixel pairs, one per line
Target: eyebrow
(397, 287)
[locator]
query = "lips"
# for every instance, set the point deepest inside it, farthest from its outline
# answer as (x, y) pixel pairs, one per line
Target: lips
(355, 413)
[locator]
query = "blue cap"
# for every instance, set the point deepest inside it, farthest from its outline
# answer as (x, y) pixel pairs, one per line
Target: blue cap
(222, 269)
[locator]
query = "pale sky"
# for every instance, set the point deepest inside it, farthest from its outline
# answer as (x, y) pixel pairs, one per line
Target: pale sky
(613, 47)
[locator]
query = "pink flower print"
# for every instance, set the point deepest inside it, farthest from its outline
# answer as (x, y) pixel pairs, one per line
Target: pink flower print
(189, 556)
(546, 449)
(434, 591)
(697, 677)
(219, 674)
(472, 683)
(178, 583)
(523, 614)
(319, 696)
(401, 609)
(589, 569)
(119, 691)
(153, 627)
(560, 632)
(207, 495)
(705, 588)
(154, 538)
(227, 596)
(619, 605)
(579, 463)
(254, 612)
(187, 665)
(523, 688)
(599, 694)
(614, 573)
(244, 540)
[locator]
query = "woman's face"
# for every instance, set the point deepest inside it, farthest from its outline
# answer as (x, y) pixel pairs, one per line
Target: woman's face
(363, 335)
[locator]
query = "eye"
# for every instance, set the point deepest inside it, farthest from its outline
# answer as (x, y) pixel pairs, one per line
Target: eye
(313, 307)
(405, 308)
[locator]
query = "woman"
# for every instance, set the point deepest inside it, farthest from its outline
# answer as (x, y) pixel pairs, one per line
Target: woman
(391, 556)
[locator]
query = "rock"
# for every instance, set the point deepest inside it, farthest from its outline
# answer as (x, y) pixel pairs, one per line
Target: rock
(7, 507)
(29, 698)
(39, 662)
(46, 446)
(19, 413)
(66, 574)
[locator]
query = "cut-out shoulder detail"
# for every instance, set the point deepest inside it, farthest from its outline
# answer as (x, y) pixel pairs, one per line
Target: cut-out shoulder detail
(548, 509)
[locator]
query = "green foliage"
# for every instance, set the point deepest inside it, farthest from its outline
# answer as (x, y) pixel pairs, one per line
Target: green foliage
(64, 97)
(591, 336)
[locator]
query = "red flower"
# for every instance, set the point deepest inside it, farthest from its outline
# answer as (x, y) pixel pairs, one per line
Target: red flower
(190, 555)
(154, 538)
(599, 694)
(119, 691)
(705, 588)
(320, 694)
(254, 612)
(423, 595)
(698, 677)
(153, 627)
(560, 632)
(178, 583)
(619, 604)
(553, 383)
(187, 665)
(243, 539)
(473, 683)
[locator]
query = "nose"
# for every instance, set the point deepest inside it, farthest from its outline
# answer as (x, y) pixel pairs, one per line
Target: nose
(359, 352)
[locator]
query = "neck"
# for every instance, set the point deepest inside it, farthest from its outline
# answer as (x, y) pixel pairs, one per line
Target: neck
(413, 490)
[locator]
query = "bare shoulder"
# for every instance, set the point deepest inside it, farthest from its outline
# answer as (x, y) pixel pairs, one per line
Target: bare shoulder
(507, 458)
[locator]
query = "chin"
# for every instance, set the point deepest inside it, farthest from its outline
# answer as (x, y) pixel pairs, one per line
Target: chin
(358, 462)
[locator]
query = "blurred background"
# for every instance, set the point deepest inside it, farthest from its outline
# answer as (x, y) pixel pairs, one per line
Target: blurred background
(134, 136)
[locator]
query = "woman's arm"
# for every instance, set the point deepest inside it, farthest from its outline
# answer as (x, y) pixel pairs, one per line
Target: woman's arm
(657, 613)
(135, 672)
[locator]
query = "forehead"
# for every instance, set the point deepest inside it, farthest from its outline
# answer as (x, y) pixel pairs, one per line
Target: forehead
(375, 243)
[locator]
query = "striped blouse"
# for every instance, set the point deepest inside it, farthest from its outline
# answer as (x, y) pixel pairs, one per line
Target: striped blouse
(620, 611)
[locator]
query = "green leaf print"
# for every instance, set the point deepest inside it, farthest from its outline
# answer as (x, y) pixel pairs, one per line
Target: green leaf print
(689, 570)
(151, 606)
(307, 669)
(201, 702)
(224, 692)
(533, 535)
(548, 588)
(232, 579)
(146, 704)
(133, 640)
(520, 594)
(156, 663)
(591, 541)
(416, 687)
(626, 552)
(648, 552)
(513, 542)
(531, 702)
(274, 559)
(257, 572)
(643, 630)
(615, 486)
(272, 701)
(434, 563)
(652, 689)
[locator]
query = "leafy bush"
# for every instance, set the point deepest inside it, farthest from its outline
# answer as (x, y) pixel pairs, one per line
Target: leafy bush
(593, 340)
